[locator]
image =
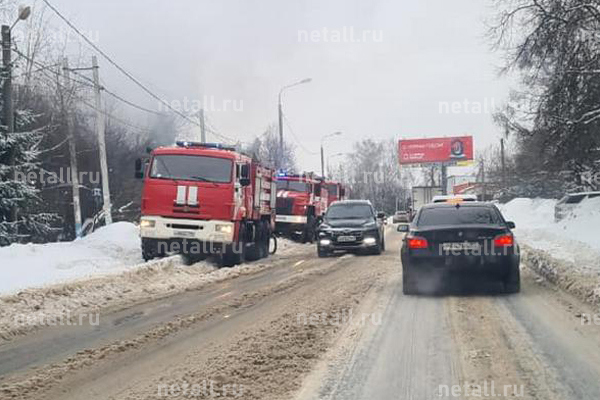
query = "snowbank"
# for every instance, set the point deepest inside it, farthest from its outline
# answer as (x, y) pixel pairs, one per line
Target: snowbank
(111, 249)
(565, 253)
(574, 239)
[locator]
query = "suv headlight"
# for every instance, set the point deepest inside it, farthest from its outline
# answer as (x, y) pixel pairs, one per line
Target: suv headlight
(370, 225)
(147, 223)
(223, 228)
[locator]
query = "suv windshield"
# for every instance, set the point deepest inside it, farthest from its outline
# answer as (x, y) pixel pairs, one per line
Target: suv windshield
(192, 168)
(349, 211)
(294, 186)
(458, 216)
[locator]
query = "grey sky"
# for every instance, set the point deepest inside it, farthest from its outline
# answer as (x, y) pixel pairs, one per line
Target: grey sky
(425, 52)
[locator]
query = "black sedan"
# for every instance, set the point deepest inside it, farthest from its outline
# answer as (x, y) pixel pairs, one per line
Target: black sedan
(458, 243)
(351, 225)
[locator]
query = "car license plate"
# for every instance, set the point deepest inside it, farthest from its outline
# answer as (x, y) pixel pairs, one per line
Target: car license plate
(185, 234)
(346, 239)
(460, 246)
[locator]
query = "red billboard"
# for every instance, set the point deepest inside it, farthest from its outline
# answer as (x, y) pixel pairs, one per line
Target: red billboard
(446, 150)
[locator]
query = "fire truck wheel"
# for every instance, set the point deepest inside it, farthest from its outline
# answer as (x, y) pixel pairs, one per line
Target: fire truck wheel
(260, 248)
(150, 249)
(266, 238)
(191, 259)
(308, 236)
(236, 253)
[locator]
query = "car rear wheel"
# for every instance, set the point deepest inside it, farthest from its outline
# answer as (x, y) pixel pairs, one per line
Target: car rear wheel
(512, 284)
(408, 285)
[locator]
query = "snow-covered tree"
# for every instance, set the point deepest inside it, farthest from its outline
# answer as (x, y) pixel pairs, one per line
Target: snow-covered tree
(18, 171)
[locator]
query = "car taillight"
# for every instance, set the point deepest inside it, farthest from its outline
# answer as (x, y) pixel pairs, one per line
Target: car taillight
(416, 242)
(504, 240)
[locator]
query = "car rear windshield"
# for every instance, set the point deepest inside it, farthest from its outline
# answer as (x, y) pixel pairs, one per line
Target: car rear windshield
(458, 216)
(350, 211)
(192, 168)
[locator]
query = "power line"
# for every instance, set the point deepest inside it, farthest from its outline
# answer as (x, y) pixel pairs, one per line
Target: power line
(45, 70)
(287, 123)
(117, 66)
(118, 97)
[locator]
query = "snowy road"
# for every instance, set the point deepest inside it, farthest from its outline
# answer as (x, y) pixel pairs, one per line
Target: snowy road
(310, 328)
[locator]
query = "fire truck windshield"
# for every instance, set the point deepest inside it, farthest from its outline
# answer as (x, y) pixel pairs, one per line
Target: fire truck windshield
(294, 186)
(332, 189)
(192, 168)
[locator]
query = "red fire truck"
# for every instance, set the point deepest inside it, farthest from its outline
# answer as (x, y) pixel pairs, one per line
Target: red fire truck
(335, 192)
(202, 198)
(301, 201)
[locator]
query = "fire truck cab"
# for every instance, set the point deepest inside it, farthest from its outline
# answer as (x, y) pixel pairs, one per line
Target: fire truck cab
(201, 198)
(301, 202)
(335, 192)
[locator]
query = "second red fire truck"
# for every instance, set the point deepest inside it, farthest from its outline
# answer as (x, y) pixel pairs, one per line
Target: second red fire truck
(302, 199)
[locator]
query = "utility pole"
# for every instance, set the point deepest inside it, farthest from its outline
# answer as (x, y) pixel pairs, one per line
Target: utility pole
(100, 126)
(280, 133)
(503, 162)
(483, 185)
(202, 126)
(322, 161)
(8, 111)
(72, 152)
(444, 179)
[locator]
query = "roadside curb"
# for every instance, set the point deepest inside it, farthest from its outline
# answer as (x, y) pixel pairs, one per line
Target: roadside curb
(563, 274)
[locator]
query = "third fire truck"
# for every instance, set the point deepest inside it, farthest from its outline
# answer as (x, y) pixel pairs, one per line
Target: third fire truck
(335, 192)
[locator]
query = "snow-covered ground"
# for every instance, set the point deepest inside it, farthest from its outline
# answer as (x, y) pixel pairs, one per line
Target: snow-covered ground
(112, 249)
(574, 239)
(103, 270)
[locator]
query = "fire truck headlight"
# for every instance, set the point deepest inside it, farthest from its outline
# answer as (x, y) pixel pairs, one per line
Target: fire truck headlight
(224, 228)
(147, 223)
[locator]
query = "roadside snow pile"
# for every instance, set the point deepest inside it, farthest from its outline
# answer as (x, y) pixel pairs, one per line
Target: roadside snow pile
(111, 249)
(574, 239)
(565, 253)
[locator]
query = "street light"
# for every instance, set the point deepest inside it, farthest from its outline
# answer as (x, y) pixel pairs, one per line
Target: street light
(280, 112)
(7, 106)
(24, 13)
(322, 152)
(328, 159)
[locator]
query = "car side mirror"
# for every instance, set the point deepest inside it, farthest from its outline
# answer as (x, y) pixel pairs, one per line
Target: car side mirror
(403, 228)
(245, 181)
(245, 175)
(139, 169)
(511, 225)
(319, 220)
